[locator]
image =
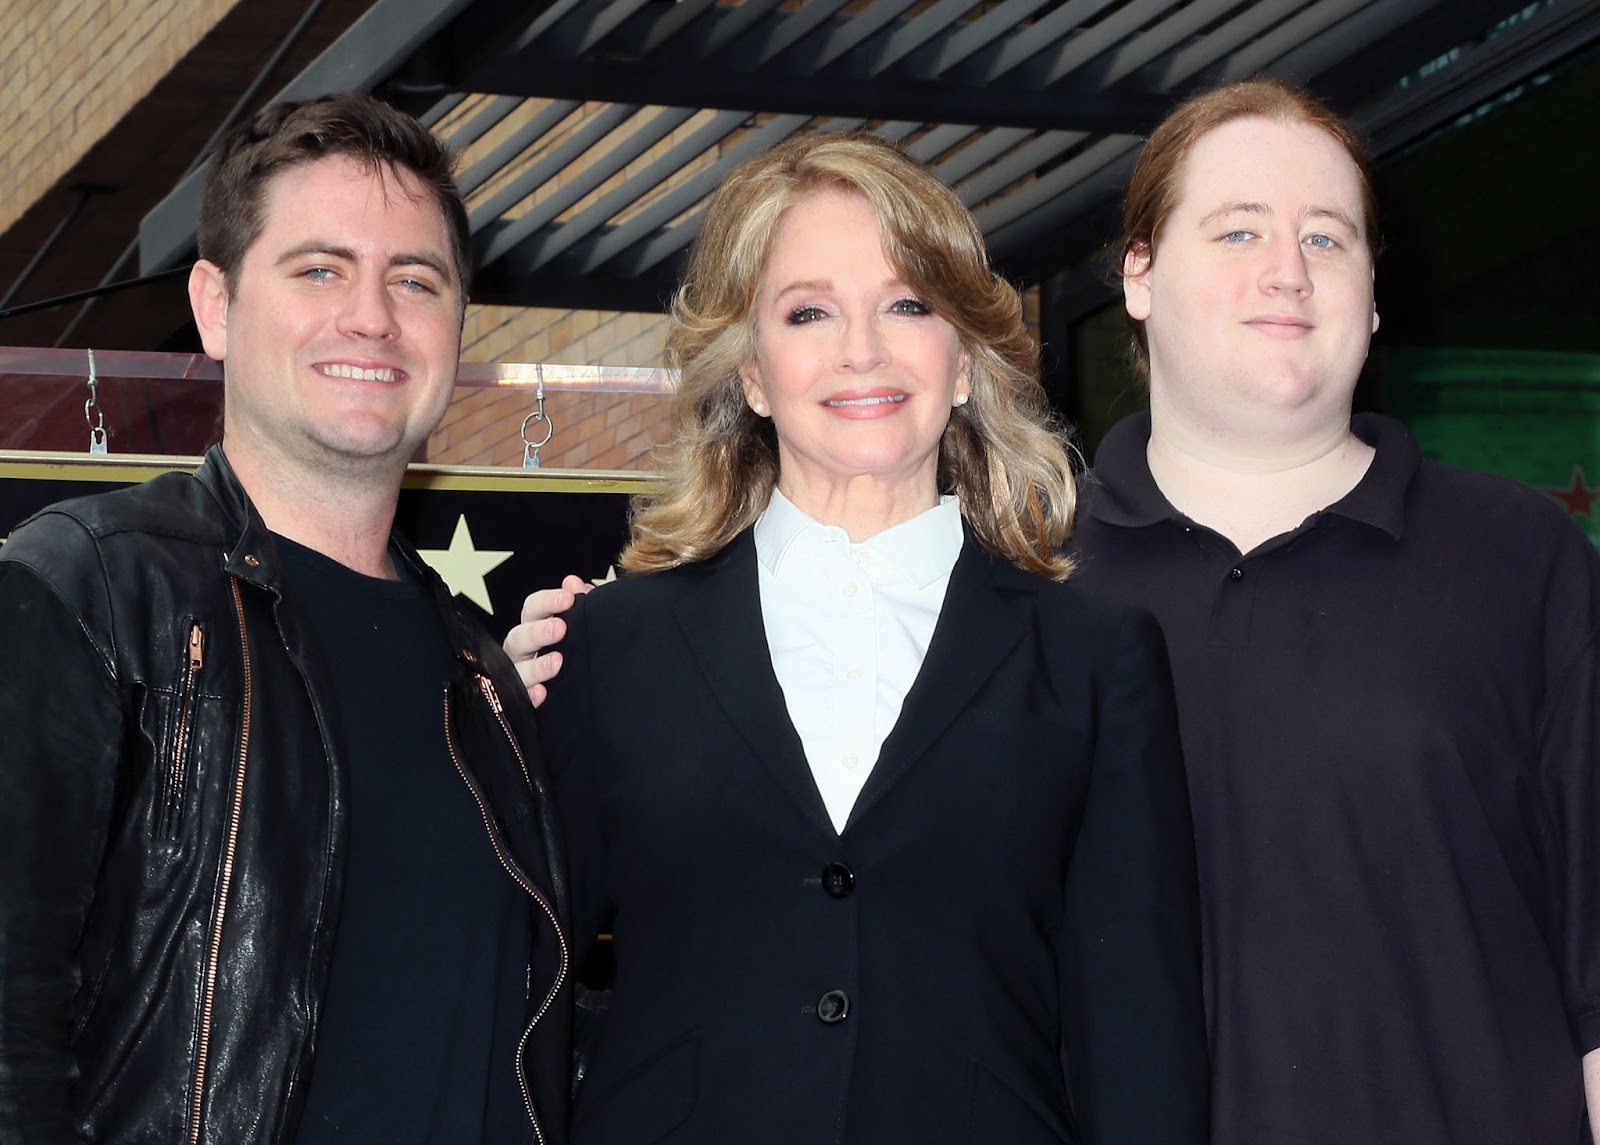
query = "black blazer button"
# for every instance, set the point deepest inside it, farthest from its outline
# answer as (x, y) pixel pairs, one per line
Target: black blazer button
(838, 880)
(833, 1007)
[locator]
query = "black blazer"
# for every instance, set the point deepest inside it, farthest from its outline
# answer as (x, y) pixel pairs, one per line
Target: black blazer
(1015, 883)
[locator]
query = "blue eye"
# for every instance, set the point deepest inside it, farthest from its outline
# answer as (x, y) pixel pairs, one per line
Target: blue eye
(1323, 242)
(317, 273)
(1237, 236)
(417, 285)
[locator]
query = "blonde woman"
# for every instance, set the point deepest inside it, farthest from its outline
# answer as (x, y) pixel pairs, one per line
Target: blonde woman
(890, 824)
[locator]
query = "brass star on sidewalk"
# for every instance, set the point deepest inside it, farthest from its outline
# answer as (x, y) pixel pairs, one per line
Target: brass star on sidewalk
(463, 567)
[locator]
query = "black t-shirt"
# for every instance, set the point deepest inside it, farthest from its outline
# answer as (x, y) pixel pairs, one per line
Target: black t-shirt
(1390, 722)
(425, 1002)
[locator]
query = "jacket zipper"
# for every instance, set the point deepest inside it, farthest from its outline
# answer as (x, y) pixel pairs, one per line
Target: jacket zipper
(230, 848)
(516, 873)
(180, 752)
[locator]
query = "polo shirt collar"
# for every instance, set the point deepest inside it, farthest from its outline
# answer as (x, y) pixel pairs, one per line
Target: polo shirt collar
(922, 549)
(1119, 490)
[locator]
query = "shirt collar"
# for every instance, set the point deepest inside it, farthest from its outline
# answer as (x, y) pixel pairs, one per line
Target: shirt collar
(923, 549)
(1119, 490)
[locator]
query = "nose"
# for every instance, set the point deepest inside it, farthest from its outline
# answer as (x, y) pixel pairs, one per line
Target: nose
(1286, 269)
(861, 345)
(368, 310)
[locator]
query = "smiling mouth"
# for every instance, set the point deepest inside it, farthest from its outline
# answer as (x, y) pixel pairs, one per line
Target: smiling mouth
(874, 400)
(356, 373)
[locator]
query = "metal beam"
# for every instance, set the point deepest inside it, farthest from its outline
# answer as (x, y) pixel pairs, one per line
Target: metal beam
(1214, 45)
(831, 94)
(1031, 156)
(861, 27)
(1027, 43)
(373, 47)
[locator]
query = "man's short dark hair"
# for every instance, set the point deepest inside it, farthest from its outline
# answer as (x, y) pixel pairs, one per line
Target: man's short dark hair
(286, 135)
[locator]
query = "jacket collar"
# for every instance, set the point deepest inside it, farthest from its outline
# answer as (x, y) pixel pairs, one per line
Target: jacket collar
(987, 609)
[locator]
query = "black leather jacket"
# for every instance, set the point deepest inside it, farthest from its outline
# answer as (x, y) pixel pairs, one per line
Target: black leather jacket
(173, 820)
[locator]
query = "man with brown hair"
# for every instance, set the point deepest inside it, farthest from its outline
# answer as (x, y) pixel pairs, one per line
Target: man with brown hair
(1386, 671)
(278, 858)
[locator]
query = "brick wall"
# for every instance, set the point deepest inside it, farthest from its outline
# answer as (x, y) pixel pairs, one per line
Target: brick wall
(71, 69)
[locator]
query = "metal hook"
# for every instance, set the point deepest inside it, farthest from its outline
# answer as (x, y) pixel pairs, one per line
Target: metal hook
(93, 415)
(531, 448)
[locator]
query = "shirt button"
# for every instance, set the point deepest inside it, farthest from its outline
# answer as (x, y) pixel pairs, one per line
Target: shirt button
(853, 674)
(838, 880)
(851, 589)
(850, 759)
(1236, 574)
(833, 1007)
(862, 558)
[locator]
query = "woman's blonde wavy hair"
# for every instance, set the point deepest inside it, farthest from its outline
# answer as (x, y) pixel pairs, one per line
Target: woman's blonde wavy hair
(1001, 453)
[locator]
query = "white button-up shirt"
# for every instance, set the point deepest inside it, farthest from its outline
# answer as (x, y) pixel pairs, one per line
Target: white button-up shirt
(848, 626)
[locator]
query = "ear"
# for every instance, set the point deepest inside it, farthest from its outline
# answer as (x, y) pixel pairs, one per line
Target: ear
(1136, 281)
(208, 299)
(750, 379)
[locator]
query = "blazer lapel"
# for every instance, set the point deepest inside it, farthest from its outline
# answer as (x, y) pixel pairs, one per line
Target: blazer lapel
(985, 614)
(721, 620)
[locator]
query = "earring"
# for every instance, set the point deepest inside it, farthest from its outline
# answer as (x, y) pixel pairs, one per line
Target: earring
(961, 399)
(760, 408)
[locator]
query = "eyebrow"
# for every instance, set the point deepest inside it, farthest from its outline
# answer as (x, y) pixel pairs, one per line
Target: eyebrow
(890, 283)
(348, 254)
(1312, 212)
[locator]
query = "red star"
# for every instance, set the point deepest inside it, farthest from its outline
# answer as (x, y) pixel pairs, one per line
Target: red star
(1577, 497)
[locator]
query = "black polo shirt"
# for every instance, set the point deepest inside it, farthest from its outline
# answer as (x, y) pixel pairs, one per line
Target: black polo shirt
(1390, 723)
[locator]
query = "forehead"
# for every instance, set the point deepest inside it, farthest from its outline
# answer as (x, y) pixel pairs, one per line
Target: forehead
(826, 227)
(1287, 166)
(344, 201)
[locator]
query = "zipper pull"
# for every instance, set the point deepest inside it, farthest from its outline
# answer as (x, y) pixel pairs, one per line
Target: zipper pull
(197, 650)
(490, 694)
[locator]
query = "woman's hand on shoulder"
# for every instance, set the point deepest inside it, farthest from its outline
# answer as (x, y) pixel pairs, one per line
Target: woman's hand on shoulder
(540, 628)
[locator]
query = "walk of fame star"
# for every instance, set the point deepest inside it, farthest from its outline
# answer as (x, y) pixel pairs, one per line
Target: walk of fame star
(1578, 497)
(463, 566)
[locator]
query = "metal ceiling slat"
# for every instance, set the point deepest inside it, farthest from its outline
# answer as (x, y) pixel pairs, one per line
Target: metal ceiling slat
(1129, 57)
(602, 23)
(657, 249)
(487, 118)
(541, 248)
(981, 151)
(544, 22)
(1317, 54)
(1025, 45)
(670, 23)
(1213, 46)
(519, 141)
(1071, 178)
(686, 194)
(895, 130)
(941, 57)
(1318, 18)
(783, 34)
(861, 27)
(731, 23)
(546, 167)
(1103, 37)
(441, 109)
(594, 173)
(939, 140)
(914, 34)
(1052, 211)
(1029, 157)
